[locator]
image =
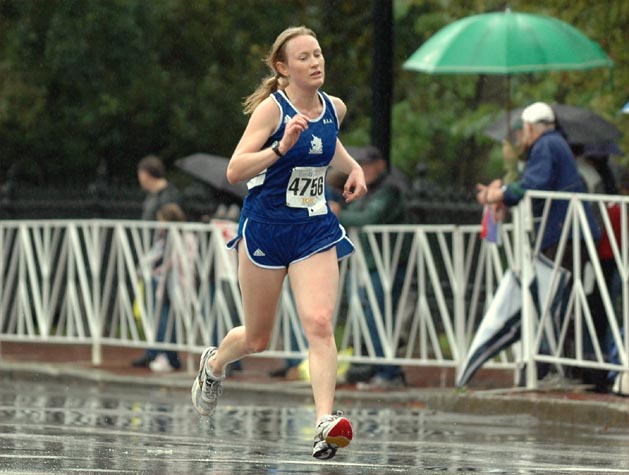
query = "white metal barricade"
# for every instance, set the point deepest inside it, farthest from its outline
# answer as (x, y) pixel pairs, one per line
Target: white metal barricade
(415, 292)
(569, 337)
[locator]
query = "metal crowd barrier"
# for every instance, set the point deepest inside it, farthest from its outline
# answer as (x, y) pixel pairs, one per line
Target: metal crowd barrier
(87, 282)
(596, 296)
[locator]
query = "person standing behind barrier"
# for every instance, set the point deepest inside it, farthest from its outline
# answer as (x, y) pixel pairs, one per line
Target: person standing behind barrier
(608, 267)
(551, 166)
(152, 179)
(514, 154)
(160, 191)
(171, 277)
(384, 203)
(286, 226)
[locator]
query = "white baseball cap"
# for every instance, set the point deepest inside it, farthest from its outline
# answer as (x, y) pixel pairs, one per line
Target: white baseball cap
(538, 112)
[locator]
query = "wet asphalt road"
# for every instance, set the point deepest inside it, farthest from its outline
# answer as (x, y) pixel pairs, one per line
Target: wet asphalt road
(58, 428)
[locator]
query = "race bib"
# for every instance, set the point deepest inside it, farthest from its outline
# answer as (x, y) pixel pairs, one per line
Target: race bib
(306, 189)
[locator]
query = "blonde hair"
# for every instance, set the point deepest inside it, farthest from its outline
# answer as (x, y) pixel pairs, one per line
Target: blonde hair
(275, 80)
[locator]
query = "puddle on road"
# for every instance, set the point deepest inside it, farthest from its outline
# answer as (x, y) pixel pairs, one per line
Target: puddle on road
(54, 428)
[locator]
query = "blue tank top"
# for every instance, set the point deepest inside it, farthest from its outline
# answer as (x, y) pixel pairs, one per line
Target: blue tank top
(292, 190)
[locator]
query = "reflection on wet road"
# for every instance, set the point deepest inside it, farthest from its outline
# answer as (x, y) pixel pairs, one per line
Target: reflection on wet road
(59, 428)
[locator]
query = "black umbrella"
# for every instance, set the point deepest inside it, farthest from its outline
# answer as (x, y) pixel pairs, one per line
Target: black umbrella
(211, 169)
(580, 125)
(501, 325)
(499, 328)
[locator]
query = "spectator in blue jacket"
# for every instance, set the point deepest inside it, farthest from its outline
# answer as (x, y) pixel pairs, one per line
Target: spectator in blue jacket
(550, 166)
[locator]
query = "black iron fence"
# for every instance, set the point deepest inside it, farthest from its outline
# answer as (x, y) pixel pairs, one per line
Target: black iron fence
(428, 203)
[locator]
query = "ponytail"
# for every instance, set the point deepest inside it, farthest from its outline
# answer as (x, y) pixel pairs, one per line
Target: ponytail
(268, 86)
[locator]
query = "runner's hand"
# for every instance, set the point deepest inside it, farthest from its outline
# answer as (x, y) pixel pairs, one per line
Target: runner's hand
(355, 186)
(292, 131)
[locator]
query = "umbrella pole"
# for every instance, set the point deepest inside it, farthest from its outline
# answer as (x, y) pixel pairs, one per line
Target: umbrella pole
(508, 102)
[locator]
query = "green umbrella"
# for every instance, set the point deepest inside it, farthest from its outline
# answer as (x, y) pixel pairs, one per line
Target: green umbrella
(507, 43)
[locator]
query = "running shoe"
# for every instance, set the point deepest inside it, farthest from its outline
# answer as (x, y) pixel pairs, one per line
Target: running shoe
(332, 433)
(206, 388)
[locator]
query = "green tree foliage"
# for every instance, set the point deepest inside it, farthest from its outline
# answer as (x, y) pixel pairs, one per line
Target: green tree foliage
(89, 82)
(94, 84)
(439, 119)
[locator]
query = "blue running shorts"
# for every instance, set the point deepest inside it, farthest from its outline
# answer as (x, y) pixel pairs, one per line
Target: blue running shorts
(276, 246)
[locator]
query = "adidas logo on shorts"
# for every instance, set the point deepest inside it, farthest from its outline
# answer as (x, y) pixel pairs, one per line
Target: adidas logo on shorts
(259, 253)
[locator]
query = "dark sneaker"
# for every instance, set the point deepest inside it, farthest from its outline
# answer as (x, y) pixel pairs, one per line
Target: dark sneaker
(143, 362)
(206, 388)
(332, 433)
(359, 373)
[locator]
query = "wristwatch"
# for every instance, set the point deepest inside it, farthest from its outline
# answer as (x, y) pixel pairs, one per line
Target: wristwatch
(276, 148)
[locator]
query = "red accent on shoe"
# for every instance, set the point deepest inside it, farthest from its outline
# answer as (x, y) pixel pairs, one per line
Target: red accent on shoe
(341, 434)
